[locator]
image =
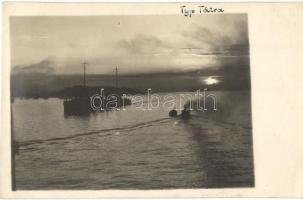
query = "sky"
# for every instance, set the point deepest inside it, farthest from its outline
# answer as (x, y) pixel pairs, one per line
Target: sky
(135, 44)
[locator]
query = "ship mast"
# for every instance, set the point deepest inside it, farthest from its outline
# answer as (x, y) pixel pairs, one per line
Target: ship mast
(84, 75)
(116, 70)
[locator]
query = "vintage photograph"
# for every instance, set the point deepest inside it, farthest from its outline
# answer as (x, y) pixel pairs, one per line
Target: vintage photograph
(131, 102)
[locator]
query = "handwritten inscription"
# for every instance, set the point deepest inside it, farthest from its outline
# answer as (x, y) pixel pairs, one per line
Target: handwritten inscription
(188, 12)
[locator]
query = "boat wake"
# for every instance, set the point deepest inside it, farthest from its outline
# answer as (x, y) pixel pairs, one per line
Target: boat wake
(106, 132)
(26, 145)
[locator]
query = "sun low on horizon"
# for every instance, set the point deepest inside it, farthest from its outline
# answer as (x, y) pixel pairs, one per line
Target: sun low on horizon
(211, 81)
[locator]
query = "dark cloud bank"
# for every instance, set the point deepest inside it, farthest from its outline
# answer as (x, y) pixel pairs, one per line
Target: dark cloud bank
(148, 61)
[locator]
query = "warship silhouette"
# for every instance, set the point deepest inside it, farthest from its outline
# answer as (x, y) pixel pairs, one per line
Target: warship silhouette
(79, 103)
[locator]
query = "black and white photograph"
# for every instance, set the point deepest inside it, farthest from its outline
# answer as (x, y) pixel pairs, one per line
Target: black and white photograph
(131, 102)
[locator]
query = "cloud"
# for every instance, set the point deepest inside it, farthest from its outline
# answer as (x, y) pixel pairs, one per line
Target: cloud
(143, 44)
(205, 41)
(43, 67)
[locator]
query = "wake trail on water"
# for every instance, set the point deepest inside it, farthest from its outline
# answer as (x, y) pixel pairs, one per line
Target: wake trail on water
(110, 131)
(113, 131)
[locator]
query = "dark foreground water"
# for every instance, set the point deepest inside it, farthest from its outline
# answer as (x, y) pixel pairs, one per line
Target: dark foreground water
(132, 149)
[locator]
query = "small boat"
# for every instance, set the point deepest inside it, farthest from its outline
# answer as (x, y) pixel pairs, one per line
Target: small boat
(185, 113)
(173, 113)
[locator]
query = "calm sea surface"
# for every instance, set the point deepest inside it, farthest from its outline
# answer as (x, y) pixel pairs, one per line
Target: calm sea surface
(133, 149)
